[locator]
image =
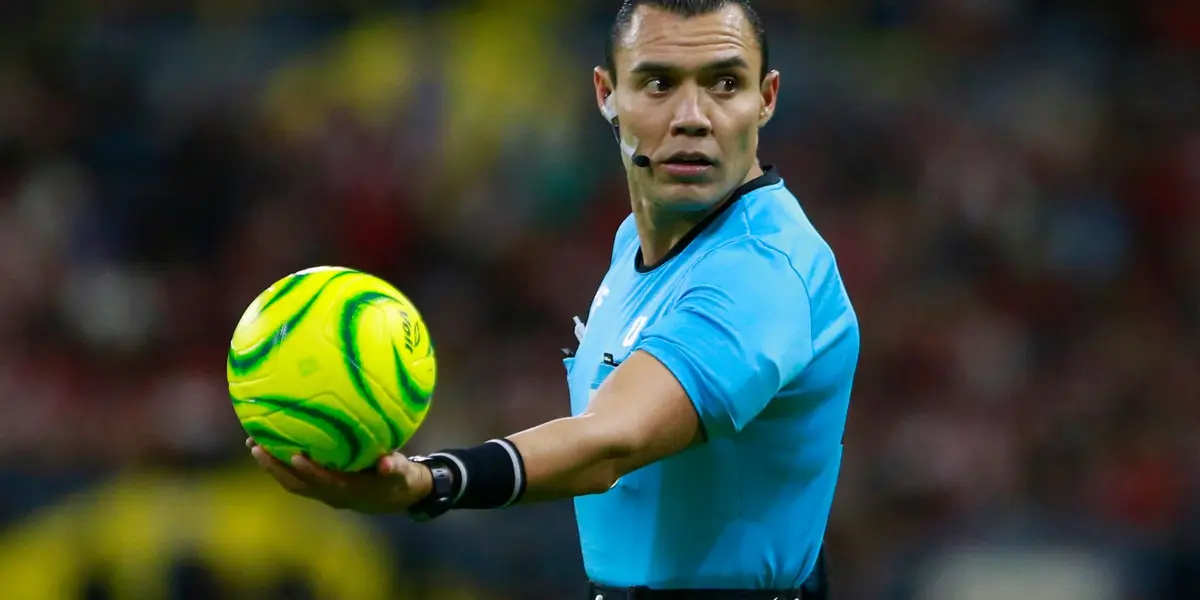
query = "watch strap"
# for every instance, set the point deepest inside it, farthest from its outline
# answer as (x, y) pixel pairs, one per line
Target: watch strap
(441, 495)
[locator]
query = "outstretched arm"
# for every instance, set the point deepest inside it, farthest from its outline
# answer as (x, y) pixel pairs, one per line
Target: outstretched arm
(707, 368)
(641, 414)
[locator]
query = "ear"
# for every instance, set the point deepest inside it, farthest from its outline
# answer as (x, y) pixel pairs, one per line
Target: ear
(604, 93)
(770, 97)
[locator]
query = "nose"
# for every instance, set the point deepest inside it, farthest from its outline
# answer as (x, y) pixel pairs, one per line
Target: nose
(690, 119)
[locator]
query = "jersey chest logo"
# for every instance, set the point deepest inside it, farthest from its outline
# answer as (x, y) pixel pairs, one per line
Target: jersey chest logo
(601, 294)
(634, 331)
(613, 359)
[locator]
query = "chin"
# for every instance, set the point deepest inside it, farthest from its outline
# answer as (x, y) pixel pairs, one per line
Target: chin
(691, 197)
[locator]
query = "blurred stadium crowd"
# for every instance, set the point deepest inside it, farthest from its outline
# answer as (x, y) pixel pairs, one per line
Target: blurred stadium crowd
(1012, 188)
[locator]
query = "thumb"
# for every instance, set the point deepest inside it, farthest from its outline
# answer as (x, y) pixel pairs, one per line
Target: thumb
(393, 464)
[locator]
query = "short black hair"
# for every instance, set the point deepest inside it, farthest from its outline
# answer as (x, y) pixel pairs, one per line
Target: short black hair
(687, 9)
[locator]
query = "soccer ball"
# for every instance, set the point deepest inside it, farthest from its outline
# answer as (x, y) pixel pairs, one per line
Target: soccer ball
(334, 364)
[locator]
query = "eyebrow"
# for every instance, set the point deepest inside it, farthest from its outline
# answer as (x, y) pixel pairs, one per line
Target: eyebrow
(725, 64)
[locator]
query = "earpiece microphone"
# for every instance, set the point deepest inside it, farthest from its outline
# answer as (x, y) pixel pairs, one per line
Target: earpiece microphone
(630, 150)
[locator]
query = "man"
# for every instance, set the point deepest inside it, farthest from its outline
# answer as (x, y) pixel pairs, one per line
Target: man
(711, 383)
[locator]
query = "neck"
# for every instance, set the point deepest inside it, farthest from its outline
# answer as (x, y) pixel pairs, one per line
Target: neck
(661, 229)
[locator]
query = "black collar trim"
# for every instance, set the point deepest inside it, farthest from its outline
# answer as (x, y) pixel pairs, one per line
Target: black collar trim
(769, 177)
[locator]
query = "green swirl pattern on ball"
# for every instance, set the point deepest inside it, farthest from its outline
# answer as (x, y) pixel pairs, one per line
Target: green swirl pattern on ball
(331, 421)
(244, 363)
(343, 428)
(265, 435)
(416, 398)
(347, 328)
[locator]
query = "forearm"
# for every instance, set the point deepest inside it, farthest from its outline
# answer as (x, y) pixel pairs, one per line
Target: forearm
(561, 459)
(570, 457)
(639, 416)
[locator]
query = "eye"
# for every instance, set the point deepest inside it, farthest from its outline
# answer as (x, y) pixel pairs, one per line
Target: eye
(726, 85)
(657, 85)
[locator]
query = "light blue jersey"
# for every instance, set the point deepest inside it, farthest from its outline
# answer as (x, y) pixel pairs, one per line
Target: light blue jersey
(750, 315)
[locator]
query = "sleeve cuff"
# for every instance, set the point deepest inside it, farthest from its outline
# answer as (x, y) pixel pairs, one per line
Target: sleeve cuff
(691, 379)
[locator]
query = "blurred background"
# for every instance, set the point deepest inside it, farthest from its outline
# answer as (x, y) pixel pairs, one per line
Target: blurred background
(1012, 188)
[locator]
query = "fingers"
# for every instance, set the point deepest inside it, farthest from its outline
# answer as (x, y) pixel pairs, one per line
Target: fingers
(313, 472)
(285, 476)
(373, 493)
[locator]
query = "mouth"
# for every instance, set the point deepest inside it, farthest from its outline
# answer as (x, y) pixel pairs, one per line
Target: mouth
(688, 165)
(690, 159)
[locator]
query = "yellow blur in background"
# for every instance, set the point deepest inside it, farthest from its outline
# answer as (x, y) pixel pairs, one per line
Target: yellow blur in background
(127, 535)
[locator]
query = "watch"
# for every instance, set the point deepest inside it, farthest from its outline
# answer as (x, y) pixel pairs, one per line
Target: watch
(441, 495)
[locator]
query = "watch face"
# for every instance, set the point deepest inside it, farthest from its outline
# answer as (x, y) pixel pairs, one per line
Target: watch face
(441, 479)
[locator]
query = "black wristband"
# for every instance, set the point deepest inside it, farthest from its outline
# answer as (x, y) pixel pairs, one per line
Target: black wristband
(490, 475)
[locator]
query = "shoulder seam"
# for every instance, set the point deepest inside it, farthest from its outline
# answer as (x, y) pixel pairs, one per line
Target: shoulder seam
(751, 238)
(812, 345)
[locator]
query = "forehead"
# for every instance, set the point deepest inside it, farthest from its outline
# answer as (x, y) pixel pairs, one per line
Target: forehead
(660, 36)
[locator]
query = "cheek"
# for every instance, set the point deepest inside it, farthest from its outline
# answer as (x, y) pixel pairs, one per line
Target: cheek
(743, 130)
(647, 120)
(743, 143)
(747, 139)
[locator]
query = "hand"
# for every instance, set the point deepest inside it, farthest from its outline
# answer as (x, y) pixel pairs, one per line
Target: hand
(396, 483)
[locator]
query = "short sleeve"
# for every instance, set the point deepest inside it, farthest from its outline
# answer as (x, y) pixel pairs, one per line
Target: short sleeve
(740, 330)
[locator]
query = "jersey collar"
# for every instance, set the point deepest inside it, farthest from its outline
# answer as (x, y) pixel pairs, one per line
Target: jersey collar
(770, 176)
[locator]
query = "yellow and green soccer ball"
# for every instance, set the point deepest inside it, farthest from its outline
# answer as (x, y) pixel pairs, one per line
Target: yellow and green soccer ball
(334, 364)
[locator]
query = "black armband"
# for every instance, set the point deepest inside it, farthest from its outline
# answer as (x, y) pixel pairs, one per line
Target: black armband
(490, 475)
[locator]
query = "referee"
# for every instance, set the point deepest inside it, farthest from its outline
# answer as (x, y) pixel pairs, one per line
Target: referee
(710, 386)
